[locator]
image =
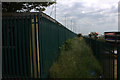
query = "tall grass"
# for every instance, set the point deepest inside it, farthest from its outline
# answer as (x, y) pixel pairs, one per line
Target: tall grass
(76, 60)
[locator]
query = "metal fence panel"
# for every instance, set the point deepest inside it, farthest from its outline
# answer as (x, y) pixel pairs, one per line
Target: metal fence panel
(31, 45)
(104, 54)
(118, 63)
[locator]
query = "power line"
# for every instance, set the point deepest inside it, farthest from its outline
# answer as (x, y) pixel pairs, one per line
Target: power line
(71, 25)
(65, 22)
(55, 9)
(52, 10)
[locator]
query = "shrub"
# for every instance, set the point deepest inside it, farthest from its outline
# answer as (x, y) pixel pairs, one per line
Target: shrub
(76, 60)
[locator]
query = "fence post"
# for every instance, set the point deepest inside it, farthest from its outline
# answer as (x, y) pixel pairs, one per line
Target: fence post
(113, 64)
(118, 63)
(0, 40)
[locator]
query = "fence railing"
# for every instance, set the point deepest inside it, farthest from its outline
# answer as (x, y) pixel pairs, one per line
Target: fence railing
(118, 63)
(104, 53)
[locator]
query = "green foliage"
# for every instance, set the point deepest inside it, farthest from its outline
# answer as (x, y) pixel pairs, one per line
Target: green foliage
(67, 45)
(76, 60)
(101, 38)
(24, 6)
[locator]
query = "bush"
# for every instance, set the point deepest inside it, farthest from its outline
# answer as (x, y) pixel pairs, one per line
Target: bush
(76, 60)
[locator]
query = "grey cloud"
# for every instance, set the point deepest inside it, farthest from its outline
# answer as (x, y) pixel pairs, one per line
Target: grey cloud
(103, 19)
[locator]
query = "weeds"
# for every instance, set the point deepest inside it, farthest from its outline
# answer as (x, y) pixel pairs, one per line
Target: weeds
(76, 60)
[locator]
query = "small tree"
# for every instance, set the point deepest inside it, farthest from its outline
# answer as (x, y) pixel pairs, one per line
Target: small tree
(79, 35)
(24, 6)
(94, 35)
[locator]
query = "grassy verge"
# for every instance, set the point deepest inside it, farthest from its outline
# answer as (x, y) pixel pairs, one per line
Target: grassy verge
(76, 60)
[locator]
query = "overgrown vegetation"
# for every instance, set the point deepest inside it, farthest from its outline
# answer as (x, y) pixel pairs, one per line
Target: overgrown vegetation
(76, 60)
(25, 6)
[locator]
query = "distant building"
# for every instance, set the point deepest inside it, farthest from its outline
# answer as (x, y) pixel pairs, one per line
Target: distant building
(112, 37)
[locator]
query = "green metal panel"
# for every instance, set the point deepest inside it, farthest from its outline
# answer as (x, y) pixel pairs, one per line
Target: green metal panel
(8, 48)
(6, 56)
(35, 25)
(16, 47)
(51, 36)
(3, 49)
(32, 47)
(40, 43)
(20, 46)
(27, 34)
(33, 76)
(23, 46)
(12, 48)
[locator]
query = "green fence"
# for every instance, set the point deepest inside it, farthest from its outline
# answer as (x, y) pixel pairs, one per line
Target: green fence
(104, 54)
(118, 63)
(31, 44)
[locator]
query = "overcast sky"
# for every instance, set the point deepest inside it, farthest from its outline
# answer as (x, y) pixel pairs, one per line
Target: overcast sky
(87, 15)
